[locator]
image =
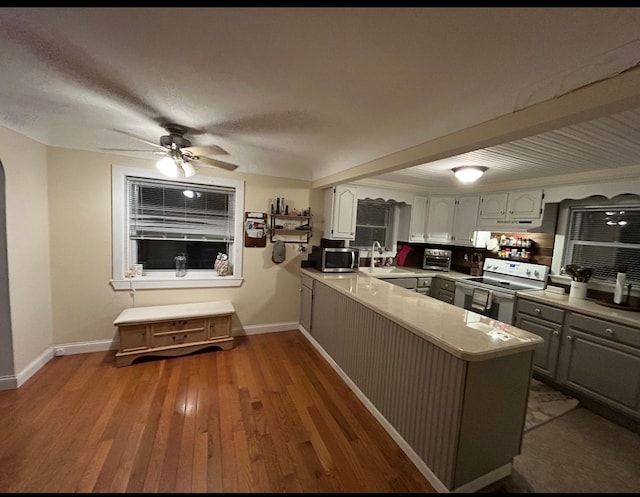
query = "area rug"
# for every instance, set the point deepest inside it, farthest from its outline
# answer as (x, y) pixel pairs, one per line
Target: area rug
(545, 404)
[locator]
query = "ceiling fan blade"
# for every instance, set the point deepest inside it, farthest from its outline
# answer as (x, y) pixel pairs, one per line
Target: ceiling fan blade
(138, 138)
(132, 150)
(217, 163)
(206, 150)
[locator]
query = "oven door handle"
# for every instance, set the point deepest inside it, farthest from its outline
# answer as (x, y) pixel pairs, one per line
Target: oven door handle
(495, 293)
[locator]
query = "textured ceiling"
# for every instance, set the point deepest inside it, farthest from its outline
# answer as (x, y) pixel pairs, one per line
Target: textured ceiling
(311, 92)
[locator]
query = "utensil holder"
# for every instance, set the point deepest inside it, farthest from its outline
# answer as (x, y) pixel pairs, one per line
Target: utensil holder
(578, 290)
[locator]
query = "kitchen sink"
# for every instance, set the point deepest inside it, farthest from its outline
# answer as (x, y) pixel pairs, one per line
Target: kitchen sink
(383, 270)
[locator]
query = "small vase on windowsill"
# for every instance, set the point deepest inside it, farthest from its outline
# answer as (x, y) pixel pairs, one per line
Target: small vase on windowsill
(578, 290)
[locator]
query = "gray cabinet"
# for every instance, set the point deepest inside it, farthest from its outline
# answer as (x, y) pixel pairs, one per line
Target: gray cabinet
(601, 359)
(596, 359)
(306, 301)
(443, 289)
(545, 321)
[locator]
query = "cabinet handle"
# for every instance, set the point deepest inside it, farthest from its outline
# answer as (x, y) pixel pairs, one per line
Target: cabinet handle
(569, 338)
(501, 212)
(510, 212)
(609, 331)
(538, 311)
(556, 332)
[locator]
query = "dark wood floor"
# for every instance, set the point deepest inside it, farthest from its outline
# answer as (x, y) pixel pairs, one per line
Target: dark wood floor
(269, 415)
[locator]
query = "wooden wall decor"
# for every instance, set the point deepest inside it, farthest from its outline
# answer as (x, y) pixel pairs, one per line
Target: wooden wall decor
(255, 229)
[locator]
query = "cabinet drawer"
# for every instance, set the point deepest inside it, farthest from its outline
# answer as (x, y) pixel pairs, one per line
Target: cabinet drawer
(178, 325)
(606, 329)
(424, 282)
(133, 337)
(219, 326)
(541, 311)
(447, 285)
(168, 338)
(446, 296)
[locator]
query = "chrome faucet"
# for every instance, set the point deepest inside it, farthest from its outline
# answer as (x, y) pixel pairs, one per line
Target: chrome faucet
(373, 249)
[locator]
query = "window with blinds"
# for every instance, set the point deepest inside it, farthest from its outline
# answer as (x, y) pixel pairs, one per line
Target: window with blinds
(169, 218)
(373, 222)
(606, 239)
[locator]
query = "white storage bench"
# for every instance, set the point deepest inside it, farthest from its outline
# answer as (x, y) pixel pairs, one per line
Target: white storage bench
(173, 330)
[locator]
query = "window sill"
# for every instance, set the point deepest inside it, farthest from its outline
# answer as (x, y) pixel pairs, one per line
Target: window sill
(165, 281)
(603, 286)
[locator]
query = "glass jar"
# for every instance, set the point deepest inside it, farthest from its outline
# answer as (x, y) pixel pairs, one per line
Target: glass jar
(181, 265)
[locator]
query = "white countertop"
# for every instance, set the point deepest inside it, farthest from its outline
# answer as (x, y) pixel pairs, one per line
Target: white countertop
(412, 272)
(464, 334)
(585, 306)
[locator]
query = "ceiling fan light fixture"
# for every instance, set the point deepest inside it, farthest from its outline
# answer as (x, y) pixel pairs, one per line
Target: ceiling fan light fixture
(167, 166)
(187, 169)
(469, 174)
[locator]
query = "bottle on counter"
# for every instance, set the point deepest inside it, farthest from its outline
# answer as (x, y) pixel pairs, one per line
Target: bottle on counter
(618, 292)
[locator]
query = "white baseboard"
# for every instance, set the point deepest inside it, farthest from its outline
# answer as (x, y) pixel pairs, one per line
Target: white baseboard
(12, 382)
(264, 328)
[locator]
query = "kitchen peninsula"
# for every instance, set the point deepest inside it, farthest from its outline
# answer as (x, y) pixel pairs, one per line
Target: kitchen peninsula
(449, 385)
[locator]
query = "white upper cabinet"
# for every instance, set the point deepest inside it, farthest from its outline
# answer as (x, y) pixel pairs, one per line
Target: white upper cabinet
(465, 220)
(440, 219)
(525, 204)
(418, 220)
(340, 210)
(493, 206)
(518, 208)
(452, 220)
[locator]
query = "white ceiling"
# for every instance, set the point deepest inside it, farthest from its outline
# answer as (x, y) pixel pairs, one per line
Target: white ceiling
(313, 92)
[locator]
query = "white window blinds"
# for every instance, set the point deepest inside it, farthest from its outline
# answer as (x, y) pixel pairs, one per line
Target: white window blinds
(164, 210)
(607, 239)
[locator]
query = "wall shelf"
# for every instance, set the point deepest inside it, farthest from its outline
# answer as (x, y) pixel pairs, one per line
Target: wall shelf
(290, 229)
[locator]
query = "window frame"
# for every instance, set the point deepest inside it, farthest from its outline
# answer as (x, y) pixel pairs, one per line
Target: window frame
(570, 244)
(155, 279)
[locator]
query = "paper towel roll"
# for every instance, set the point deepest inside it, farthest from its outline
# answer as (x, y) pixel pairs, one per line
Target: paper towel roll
(618, 293)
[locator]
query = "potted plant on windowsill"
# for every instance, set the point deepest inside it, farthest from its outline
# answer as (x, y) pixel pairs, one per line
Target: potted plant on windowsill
(580, 276)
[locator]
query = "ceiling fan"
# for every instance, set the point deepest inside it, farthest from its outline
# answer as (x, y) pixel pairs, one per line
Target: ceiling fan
(178, 152)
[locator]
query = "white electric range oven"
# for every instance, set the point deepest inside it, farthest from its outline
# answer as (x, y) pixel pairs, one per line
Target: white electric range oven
(493, 294)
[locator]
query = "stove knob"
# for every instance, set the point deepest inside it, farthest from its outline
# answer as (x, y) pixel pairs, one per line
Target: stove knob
(536, 273)
(528, 272)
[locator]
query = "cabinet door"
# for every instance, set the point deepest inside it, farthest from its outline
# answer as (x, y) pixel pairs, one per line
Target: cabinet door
(602, 369)
(219, 327)
(465, 220)
(306, 301)
(440, 219)
(524, 204)
(418, 223)
(133, 337)
(340, 217)
(545, 356)
(493, 206)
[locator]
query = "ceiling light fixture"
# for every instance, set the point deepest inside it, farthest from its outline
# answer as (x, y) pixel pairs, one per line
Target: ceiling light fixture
(469, 174)
(174, 164)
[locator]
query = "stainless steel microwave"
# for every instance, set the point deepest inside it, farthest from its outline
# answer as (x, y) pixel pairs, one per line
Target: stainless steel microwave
(338, 260)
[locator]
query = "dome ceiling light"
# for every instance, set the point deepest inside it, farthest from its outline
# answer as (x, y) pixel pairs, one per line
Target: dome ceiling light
(469, 174)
